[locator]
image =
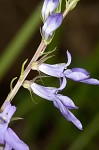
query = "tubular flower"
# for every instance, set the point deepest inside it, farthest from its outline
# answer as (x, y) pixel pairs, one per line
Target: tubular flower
(63, 103)
(51, 24)
(7, 135)
(60, 70)
(48, 7)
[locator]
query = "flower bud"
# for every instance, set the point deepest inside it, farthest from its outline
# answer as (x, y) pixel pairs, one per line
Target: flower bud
(48, 7)
(50, 25)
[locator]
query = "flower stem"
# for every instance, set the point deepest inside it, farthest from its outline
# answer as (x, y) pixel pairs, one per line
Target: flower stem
(69, 8)
(19, 83)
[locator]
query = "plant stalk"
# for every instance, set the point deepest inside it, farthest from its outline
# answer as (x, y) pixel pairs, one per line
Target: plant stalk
(19, 83)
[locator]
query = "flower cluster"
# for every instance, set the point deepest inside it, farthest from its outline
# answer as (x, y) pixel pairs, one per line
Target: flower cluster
(63, 103)
(51, 20)
(7, 135)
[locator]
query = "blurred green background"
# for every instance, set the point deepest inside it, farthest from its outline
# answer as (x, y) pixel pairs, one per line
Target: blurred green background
(43, 127)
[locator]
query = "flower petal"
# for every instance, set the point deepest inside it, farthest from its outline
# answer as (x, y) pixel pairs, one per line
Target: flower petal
(77, 74)
(52, 70)
(62, 84)
(48, 92)
(44, 92)
(74, 120)
(81, 75)
(1, 136)
(81, 70)
(3, 127)
(13, 140)
(67, 114)
(91, 81)
(66, 101)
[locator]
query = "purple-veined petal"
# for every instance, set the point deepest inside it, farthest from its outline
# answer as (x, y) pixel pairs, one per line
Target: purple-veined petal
(76, 74)
(66, 101)
(63, 82)
(74, 120)
(67, 114)
(51, 24)
(48, 7)
(81, 75)
(13, 140)
(55, 70)
(91, 81)
(44, 92)
(81, 70)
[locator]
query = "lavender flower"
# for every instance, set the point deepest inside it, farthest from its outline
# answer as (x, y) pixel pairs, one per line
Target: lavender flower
(51, 24)
(7, 135)
(63, 103)
(60, 70)
(48, 7)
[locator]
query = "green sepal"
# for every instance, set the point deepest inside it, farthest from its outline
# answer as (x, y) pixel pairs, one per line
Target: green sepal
(26, 85)
(22, 69)
(16, 118)
(48, 53)
(11, 84)
(31, 94)
(46, 57)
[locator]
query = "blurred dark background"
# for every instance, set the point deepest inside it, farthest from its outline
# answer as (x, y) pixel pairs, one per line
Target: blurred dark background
(43, 127)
